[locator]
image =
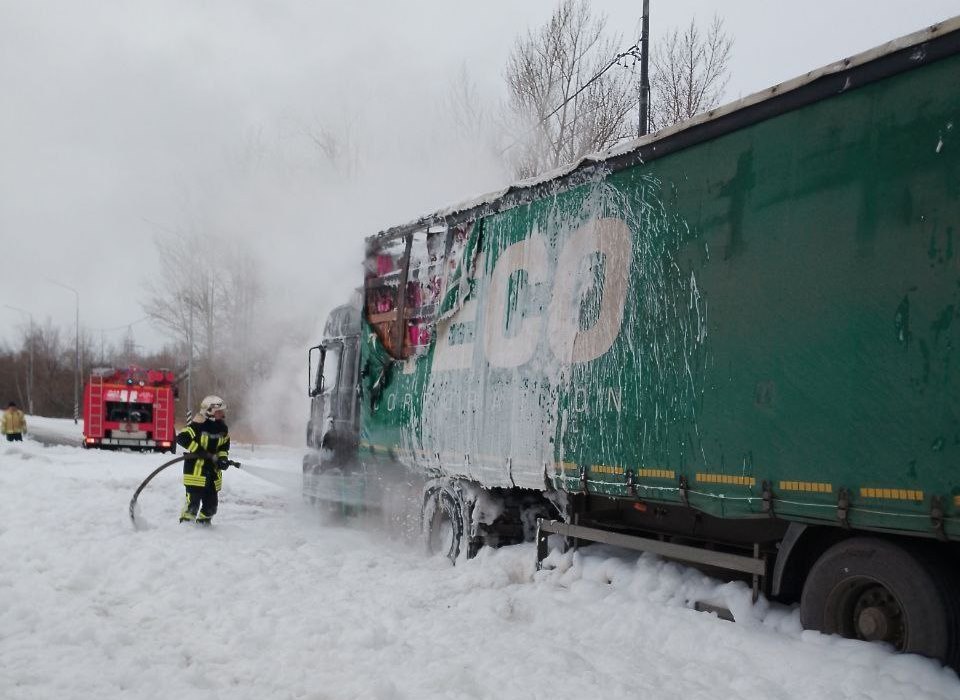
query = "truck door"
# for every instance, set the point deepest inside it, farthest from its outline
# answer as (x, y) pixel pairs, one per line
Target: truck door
(318, 390)
(333, 413)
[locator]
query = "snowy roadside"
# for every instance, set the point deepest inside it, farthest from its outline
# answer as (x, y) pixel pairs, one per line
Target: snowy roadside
(274, 603)
(54, 431)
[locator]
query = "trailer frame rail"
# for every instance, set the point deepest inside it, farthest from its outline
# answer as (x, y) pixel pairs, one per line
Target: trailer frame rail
(755, 565)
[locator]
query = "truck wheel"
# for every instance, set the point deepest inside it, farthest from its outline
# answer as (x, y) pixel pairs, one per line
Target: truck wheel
(442, 523)
(874, 589)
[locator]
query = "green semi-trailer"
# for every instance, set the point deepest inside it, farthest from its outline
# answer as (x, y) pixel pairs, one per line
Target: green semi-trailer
(731, 342)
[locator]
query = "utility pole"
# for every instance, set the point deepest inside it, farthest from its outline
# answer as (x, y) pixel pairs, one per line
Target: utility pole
(644, 120)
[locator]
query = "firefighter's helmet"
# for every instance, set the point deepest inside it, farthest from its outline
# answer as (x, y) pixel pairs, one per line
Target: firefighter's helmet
(211, 404)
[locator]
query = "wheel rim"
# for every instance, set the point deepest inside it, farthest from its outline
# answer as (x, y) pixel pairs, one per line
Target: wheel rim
(869, 611)
(441, 537)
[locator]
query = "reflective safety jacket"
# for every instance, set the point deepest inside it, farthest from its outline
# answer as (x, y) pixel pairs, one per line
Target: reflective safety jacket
(209, 436)
(13, 422)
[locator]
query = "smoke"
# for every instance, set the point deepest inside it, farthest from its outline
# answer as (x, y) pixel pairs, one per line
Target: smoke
(302, 197)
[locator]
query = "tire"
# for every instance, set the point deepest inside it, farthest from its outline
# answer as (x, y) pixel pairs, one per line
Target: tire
(441, 521)
(876, 590)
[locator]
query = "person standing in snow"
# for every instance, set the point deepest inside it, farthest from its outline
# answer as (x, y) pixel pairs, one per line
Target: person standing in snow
(208, 441)
(13, 424)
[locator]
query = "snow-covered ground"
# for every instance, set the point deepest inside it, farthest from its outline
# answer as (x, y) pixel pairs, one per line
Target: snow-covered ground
(272, 602)
(54, 430)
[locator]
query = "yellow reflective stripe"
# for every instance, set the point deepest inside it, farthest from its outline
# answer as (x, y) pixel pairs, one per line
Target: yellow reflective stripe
(810, 486)
(185, 513)
(222, 453)
(726, 479)
(655, 473)
(605, 469)
(892, 494)
(193, 446)
(196, 477)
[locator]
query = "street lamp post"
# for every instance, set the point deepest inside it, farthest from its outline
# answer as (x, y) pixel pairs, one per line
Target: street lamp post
(76, 366)
(30, 340)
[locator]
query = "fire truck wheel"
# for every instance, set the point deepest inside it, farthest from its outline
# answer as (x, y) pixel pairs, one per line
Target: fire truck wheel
(876, 590)
(442, 522)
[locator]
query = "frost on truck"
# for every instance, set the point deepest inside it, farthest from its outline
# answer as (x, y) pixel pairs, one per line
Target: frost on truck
(731, 343)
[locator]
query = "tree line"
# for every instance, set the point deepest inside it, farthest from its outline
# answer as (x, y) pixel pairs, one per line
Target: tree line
(215, 314)
(38, 374)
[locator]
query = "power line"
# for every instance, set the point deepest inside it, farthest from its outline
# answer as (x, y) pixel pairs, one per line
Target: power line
(121, 326)
(634, 52)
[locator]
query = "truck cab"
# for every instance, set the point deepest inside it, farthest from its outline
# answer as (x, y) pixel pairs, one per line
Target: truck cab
(333, 367)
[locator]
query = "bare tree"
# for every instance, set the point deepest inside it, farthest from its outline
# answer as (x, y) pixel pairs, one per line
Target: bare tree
(465, 105)
(207, 298)
(52, 371)
(690, 72)
(182, 297)
(337, 146)
(566, 95)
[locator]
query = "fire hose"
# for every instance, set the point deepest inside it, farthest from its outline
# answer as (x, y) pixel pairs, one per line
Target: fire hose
(189, 455)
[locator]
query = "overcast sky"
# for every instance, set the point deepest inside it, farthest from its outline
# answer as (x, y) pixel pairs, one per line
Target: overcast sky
(124, 120)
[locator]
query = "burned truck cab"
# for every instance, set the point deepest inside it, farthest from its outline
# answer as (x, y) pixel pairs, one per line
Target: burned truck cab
(333, 365)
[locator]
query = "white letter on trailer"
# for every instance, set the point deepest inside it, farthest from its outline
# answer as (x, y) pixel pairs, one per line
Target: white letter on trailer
(447, 356)
(610, 238)
(503, 351)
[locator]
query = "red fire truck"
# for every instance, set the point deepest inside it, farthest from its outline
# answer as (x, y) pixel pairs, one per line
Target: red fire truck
(130, 407)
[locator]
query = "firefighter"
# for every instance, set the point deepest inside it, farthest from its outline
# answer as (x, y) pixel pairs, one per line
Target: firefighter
(207, 439)
(13, 424)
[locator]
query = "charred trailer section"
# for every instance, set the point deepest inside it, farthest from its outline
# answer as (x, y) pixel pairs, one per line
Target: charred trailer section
(732, 343)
